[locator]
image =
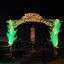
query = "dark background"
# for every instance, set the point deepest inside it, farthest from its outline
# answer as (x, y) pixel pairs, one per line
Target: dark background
(15, 9)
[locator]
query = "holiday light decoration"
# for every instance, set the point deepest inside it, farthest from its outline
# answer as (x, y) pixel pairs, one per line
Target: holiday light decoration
(55, 31)
(11, 32)
(32, 17)
(54, 24)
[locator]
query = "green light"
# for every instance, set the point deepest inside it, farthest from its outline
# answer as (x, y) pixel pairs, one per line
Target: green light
(11, 32)
(55, 31)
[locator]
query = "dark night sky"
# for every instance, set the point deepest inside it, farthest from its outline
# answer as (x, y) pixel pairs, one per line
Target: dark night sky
(15, 9)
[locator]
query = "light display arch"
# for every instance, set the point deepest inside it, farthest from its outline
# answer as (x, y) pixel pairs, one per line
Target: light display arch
(54, 25)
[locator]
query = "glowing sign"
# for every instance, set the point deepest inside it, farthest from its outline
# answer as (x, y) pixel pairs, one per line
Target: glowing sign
(32, 17)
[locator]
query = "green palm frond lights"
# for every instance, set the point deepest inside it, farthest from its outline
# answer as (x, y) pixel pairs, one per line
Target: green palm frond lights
(55, 31)
(11, 32)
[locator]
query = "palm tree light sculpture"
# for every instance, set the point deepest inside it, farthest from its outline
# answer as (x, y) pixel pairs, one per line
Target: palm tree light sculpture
(11, 32)
(55, 31)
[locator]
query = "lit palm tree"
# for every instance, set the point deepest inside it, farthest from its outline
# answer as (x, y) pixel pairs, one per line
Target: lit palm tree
(11, 32)
(55, 31)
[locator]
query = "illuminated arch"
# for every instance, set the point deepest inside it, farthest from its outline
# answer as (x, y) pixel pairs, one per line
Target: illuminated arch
(32, 17)
(54, 25)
